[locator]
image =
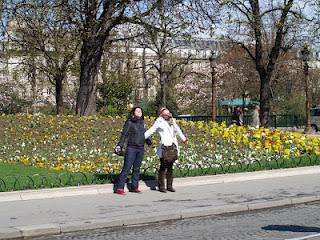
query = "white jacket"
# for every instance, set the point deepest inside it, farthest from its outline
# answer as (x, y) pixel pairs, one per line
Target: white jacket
(168, 134)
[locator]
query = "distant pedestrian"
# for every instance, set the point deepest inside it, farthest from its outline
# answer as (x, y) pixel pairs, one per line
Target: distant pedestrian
(241, 117)
(237, 117)
(256, 117)
(132, 134)
(168, 150)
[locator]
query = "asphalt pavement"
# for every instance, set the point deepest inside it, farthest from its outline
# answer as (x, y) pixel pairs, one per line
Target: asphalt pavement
(54, 211)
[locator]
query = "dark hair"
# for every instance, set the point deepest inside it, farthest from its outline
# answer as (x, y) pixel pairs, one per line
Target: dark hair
(131, 115)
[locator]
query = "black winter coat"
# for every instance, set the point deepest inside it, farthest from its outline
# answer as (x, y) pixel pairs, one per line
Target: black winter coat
(133, 130)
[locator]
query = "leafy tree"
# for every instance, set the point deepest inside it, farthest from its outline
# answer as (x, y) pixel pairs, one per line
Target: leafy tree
(11, 101)
(114, 94)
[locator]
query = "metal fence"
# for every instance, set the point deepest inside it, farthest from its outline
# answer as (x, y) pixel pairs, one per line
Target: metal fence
(286, 121)
(37, 181)
(52, 180)
(276, 121)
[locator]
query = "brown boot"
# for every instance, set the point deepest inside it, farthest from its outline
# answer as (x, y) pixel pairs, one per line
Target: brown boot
(161, 184)
(169, 182)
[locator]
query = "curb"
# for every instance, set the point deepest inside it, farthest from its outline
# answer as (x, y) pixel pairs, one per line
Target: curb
(179, 182)
(92, 224)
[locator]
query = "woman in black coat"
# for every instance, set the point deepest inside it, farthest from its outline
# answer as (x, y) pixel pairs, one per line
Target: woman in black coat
(133, 133)
(236, 116)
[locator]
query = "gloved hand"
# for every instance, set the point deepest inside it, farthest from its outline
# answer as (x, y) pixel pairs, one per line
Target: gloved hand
(186, 141)
(148, 141)
(117, 149)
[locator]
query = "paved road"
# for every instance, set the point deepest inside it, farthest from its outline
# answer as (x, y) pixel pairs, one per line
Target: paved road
(194, 197)
(294, 223)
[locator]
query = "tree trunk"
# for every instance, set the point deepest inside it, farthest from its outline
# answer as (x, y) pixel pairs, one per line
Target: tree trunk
(59, 97)
(90, 58)
(163, 100)
(308, 97)
(265, 99)
(33, 79)
(145, 77)
(265, 71)
(214, 94)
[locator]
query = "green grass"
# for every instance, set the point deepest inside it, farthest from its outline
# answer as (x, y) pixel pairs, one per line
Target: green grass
(19, 177)
(16, 176)
(16, 169)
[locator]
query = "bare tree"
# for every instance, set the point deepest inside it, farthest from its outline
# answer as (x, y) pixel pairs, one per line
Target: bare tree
(97, 20)
(118, 78)
(264, 30)
(3, 10)
(168, 30)
(316, 19)
(43, 32)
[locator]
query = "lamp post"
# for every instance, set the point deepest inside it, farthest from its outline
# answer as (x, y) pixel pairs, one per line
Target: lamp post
(212, 59)
(244, 96)
(305, 53)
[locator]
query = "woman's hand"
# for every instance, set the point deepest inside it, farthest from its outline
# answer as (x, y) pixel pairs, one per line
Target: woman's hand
(117, 149)
(148, 142)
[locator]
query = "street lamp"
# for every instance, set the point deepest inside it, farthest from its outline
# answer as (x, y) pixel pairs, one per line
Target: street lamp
(305, 54)
(212, 59)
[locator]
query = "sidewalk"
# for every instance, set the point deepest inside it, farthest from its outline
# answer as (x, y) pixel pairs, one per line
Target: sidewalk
(52, 211)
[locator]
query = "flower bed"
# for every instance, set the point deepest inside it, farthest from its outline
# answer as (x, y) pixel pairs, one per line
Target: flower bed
(85, 144)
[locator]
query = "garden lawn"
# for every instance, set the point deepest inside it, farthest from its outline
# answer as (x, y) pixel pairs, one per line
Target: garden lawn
(73, 144)
(18, 169)
(16, 176)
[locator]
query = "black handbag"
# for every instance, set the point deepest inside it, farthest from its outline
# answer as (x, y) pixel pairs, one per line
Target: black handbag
(123, 150)
(170, 153)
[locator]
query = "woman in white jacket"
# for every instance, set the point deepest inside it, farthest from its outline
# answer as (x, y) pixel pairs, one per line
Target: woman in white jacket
(168, 130)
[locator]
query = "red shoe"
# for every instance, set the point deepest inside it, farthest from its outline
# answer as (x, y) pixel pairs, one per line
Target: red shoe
(137, 190)
(120, 192)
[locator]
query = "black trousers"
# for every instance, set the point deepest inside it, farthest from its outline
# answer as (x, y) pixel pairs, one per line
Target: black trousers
(166, 166)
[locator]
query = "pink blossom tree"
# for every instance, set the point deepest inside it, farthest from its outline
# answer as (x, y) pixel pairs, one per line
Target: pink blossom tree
(194, 92)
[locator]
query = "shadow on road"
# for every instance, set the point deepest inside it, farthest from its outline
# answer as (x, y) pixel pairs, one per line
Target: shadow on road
(291, 228)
